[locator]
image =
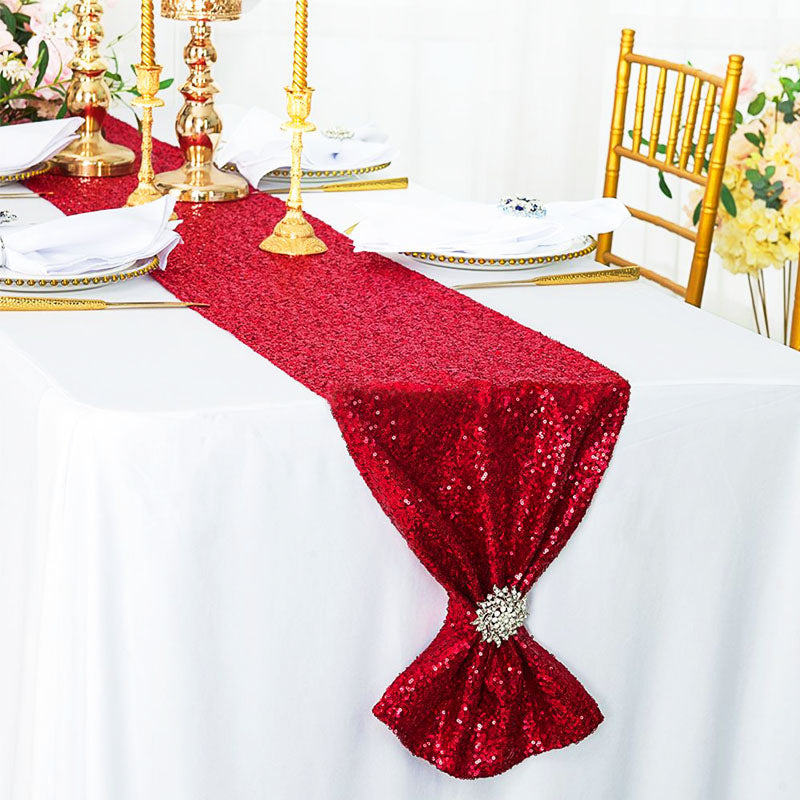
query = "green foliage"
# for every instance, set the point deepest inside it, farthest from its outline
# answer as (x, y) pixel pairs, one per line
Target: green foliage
(662, 184)
(764, 188)
(757, 105)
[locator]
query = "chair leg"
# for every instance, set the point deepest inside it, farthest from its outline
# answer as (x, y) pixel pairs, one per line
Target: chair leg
(617, 132)
(794, 331)
(716, 169)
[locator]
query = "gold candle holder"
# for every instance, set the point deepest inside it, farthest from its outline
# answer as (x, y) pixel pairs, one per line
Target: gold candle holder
(148, 80)
(88, 96)
(293, 235)
(198, 125)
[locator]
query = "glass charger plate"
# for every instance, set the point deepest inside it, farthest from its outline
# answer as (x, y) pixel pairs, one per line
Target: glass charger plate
(16, 282)
(542, 257)
(39, 169)
(279, 178)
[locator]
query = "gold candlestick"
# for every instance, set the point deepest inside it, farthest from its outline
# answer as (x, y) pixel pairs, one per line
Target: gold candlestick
(88, 96)
(293, 235)
(148, 79)
(198, 125)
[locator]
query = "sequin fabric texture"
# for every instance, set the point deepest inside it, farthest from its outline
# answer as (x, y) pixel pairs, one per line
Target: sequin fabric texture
(482, 440)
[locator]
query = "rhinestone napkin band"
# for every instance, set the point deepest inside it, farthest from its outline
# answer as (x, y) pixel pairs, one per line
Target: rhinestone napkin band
(482, 440)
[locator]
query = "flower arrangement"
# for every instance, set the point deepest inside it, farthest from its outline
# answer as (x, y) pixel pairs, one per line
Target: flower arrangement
(35, 53)
(36, 50)
(761, 227)
(758, 224)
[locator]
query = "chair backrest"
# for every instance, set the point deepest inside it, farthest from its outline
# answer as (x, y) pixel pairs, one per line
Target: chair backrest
(683, 154)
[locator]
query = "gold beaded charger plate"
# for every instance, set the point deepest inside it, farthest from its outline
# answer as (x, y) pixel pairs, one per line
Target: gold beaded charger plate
(31, 172)
(541, 257)
(279, 178)
(30, 284)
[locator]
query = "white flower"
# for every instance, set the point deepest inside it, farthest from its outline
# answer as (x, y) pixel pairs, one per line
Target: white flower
(790, 56)
(13, 69)
(773, 87)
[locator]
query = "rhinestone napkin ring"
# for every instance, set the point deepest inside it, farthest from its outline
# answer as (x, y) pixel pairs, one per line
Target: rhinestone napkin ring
(523, 206)
(500, 615)
(7, 217)
(338, 133)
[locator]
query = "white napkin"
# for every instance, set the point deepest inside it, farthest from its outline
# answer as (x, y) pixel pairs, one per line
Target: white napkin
(253, 141)
(484, 231)
(23, 146)
(93, 242)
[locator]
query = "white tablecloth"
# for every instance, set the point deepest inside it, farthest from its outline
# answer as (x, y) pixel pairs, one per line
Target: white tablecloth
(201, 600)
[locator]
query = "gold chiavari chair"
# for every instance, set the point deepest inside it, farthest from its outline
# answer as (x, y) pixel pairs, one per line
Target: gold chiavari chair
(681, 148)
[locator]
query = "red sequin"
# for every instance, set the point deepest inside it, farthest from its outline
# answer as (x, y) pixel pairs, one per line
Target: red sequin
(482, 440)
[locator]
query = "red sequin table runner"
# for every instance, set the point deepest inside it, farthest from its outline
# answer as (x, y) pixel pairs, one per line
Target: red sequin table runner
(482, 440)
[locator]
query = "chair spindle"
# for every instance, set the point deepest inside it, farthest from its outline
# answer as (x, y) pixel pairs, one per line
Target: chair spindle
(658, 112)
(691, 121)
(675, 119)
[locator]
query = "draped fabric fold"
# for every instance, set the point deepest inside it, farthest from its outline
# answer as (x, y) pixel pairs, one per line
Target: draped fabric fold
(482, 440)
(487, 492)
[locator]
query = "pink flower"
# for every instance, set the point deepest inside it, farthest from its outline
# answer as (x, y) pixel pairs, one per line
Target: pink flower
(739, 149)
(12, 5)
(60, 54)
(748, 84)
(7, 43)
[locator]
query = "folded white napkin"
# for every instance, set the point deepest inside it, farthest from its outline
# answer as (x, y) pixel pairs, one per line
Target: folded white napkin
(483, 231)
(24, 146)
(93, 242)
(253, 141)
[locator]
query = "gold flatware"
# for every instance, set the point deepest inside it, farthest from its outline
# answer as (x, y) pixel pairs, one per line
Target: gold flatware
(19, 303)
(596, 276)
(380, 184)
(24, 196)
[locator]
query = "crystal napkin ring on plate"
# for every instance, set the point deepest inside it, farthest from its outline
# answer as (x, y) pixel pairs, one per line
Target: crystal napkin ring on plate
(338, 133)
(520, 206)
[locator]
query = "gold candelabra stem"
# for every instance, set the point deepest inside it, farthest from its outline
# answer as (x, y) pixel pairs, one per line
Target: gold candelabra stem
(148, 79)
(88, 96)
(199, 129)
(293, 235)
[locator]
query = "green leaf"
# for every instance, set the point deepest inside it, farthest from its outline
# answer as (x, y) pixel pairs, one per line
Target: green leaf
(753, 139)
(166, 83)
(9, 18)
(696, 214)
(662, 184)
(737, 117)
(43, 60)
(769, 171)
(757, 105)
(727, 200)
(754, 176)
(62, 112)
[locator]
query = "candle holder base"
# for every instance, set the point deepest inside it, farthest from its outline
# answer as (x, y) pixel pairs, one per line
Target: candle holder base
(293, 236)
(144, 193)
(203, 184)
(92, 156)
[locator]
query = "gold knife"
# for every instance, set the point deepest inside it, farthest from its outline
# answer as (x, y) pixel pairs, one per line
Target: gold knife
(566, 279)
(24, 195)
(19, 303)
(350, 186)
